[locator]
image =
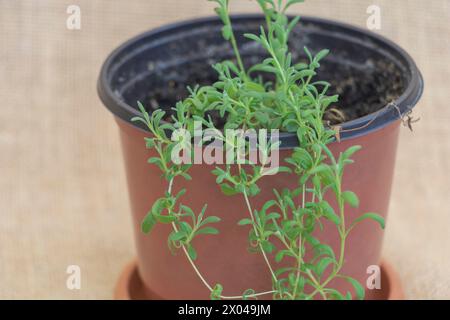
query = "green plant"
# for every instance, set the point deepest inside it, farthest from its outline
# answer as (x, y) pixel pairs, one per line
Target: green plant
(284, 226)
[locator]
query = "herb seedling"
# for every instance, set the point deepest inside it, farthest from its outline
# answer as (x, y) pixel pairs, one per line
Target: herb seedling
(284, 226)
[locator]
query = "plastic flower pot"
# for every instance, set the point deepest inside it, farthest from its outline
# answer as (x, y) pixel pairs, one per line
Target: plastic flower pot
(378, 83)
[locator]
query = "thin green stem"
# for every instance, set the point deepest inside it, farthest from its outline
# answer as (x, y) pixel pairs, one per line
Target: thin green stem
(300, 257)
(234, 43)
(250, 211)
(257, 234)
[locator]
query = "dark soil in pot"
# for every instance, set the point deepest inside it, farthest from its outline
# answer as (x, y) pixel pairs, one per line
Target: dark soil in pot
(362, 90)
(365, 85)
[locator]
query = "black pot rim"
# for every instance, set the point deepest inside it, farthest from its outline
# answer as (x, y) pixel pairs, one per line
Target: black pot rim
(351, 129)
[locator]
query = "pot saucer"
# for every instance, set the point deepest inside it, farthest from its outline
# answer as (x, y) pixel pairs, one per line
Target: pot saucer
(130, 287)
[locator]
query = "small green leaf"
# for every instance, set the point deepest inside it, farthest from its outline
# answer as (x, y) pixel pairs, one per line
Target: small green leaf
(245, 221)
(351, 198)
(333, 294)
(210, 219)
(292, 2)
(186, 227)
(272, 215)
(322, 54)
(359, 289)
(267, 246)
(202, 214)
(216, 293)
(141, 107)
(320, 169)
(186, 176)
(350, 151)
(323, 249)
(207, 230)
(253, 190)
(329, 213)
(227, 32)
(284, 169)
(165, 218)
(158, 206)
(228, 190)
(373, 216)
(262, 117)
(149, 143)
(154, 160)
(281, 254)
(323, 264)
(177, 236)
(253, 37)
(191, 252)
(253, 86)
(148, 223)
(268, 205)
(138, 119)
(188, 211)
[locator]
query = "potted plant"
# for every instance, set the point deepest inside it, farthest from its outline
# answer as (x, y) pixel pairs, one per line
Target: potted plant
(224, 225)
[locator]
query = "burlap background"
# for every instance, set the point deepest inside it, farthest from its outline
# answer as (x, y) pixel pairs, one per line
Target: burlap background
(63, 197)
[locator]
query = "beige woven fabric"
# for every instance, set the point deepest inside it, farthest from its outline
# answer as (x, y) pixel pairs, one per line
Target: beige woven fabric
(63, 197)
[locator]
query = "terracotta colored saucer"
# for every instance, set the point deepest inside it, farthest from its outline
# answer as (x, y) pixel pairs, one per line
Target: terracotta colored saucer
(130, 287)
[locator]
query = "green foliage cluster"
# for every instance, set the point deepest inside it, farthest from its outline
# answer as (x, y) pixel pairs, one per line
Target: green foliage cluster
(285, 226)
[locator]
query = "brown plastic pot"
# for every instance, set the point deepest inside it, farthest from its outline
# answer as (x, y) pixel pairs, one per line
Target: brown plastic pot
(145, 65)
